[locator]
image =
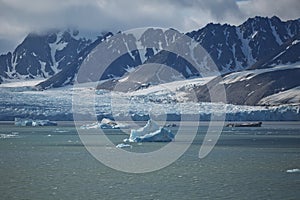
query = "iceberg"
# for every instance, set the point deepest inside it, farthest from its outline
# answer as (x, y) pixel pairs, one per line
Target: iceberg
(109, 124)
(151, 132)
(104, 124)
(12, 135)
(90, 126)
(31, 122)
(123, 146)
(293, 170)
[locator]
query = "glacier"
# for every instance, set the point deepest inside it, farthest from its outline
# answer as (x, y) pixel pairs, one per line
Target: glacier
(25, 101)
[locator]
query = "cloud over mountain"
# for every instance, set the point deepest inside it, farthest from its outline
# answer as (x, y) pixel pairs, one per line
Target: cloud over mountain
(18, 17)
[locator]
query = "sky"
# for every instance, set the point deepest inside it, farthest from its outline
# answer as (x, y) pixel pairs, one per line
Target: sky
(20, 17)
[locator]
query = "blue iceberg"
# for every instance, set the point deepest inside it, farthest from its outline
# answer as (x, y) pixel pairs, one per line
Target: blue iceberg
(151, 132)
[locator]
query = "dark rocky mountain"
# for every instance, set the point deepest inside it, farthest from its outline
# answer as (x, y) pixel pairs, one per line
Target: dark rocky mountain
(58, 55)
(142, 77)
(67, 75)
(232, 48)
(250, 87)
(274, 74)
(286, 54)
(236, 48)
(114, 57)
(42, 55)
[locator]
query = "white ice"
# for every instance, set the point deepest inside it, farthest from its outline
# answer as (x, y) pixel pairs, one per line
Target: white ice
(151, 132)
(293, 170)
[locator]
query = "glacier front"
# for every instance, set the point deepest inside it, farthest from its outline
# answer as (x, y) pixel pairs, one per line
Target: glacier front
(56, 104)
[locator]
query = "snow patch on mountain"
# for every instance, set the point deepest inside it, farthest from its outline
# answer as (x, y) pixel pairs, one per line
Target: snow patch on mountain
(291, 96)
(246, 49)
(248, 74)
(275, 34)
(21, 83)
(42, 55)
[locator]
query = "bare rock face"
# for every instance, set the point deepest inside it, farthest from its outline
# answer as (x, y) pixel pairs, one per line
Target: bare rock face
(57, 55)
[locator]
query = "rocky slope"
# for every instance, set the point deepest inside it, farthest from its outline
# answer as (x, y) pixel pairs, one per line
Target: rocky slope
(57, 55)
(42, 55)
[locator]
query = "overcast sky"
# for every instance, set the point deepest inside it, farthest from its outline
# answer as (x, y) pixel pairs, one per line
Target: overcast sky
(19, 17)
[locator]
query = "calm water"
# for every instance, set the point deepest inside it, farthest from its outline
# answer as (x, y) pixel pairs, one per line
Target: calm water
(247, 163)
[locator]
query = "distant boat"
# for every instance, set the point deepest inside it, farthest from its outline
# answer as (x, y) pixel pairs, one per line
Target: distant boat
(253, 124)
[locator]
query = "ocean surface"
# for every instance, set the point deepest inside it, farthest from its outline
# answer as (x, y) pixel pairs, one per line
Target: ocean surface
(247, 163)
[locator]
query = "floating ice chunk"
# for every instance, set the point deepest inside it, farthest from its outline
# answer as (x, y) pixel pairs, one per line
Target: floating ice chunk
(104, 124)
(151, 132)
(293, 170)
(122, 145)
(91, 126)
(150, 127)
(161, 135)
(5, 136)
(109, 124)
(60, 131)
(22, 122)
(31, 122)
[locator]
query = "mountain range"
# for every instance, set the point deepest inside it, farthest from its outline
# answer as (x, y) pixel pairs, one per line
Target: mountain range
(258, 43)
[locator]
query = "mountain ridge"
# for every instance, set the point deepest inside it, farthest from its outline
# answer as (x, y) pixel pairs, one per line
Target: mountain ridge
(58, 55)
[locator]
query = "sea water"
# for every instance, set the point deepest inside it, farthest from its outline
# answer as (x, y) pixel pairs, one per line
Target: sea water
(247, 163)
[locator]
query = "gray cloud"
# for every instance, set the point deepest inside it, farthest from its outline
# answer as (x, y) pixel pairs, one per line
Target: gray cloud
(285, 9)
(218, 9)
(19, 17)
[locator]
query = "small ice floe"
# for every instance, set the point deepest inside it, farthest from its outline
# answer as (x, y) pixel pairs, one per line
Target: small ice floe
(151, 132)
(31, 122)
(60, 131)
(95, 125)
(5, 136)
(109, 124)
(122, 145)
(293, 171)
(49, 135)
(104, 124)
